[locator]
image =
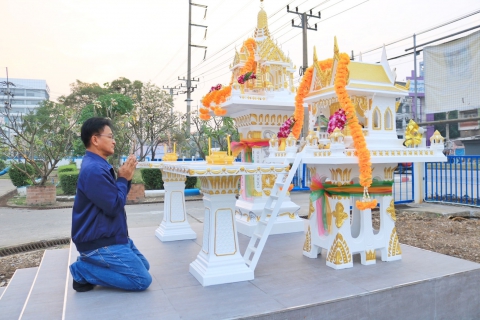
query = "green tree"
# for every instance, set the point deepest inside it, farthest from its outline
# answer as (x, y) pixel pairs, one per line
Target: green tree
(40, 139)
(117, 107)
(152, 120)
(217, 129)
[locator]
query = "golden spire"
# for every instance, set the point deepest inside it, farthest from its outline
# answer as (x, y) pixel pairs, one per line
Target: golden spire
(262, 23)
(315, 59)
(336, 51)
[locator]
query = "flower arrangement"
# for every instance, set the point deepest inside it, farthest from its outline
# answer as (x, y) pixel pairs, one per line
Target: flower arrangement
(356, 130)
(286, 128)
(245, 77)
(216, 88)
(219, 94)
(337, 120)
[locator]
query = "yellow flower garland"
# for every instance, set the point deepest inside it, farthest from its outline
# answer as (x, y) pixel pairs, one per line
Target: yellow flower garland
(356, 130)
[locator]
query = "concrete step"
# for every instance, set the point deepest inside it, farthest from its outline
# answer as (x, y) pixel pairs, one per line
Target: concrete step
(45, 300)
(1, 291)
(14, 296)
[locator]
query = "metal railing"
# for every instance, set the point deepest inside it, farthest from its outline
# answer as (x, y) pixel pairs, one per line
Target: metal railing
(454, 181)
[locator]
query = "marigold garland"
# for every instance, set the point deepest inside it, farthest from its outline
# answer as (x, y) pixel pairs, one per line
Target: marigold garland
(220, 96)
(302, 91)
(249, 66)
(359, 142)
(325, 64)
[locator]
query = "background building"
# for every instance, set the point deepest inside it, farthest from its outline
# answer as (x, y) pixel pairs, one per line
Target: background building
(27, 94)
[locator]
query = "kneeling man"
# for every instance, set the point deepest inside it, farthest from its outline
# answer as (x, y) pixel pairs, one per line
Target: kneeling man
(108, 256)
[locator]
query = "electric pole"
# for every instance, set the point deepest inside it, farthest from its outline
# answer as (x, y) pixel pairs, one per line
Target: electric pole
(305, 26)
(171, 96)
(8, 93)
(188, 86)
(8, 104)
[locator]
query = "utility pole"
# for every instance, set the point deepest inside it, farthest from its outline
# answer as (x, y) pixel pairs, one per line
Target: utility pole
(171, 96)
(188, 86)
(8, 93)
(8, 104)
(305, 26)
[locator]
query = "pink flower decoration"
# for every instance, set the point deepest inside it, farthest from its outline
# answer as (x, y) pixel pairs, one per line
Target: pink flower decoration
(337, 120)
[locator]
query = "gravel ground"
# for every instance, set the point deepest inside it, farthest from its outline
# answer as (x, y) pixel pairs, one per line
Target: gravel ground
(458, 237)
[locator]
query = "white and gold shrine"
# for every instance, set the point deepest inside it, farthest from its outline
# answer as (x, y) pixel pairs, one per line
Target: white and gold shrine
(337, 225)
(259, 107)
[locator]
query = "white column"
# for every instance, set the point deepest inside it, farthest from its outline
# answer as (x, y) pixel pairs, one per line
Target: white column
(219, 260)
(175, 224)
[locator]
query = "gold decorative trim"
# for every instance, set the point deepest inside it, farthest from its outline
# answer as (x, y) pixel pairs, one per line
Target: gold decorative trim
(388, 115)
(339, 214)
(337, 197)
(371, 255)
(311, 209)
(339, 253)
(394, 245)
(172, 177)
(378, 113)
(307, 246)
(388, 173)
(341, 175)
(391, 210)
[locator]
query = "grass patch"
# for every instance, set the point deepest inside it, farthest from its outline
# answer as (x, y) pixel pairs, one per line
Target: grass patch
(19, 201)
(60, 191)
(5, 176)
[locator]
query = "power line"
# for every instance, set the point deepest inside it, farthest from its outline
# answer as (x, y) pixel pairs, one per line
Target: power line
(211, 70)
(210, 57)
(427, 30)
(331, 17)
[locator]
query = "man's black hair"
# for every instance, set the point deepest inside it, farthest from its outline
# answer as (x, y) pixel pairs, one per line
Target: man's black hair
(92, 127)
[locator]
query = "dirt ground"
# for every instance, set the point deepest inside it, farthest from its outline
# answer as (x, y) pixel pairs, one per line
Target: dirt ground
(457, 237)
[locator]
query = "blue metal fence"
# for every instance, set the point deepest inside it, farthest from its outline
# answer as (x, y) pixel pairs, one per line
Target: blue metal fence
(454, 181)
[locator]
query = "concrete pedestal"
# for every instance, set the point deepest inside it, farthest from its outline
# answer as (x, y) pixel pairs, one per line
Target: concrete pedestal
(175, 224)
(220, 260)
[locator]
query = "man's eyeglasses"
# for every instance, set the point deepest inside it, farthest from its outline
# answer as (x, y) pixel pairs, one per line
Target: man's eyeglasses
(106, 135)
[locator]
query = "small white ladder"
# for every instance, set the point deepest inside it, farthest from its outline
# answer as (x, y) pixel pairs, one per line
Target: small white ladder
(272, 207)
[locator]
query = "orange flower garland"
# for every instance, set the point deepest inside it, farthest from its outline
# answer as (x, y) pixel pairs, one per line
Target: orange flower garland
(249, 66)
(325, 64)
(302, 91)
(356, 130)
(220, 96)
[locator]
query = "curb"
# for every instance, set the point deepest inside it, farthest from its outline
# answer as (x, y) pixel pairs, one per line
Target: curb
(70, 204)
(32, 246)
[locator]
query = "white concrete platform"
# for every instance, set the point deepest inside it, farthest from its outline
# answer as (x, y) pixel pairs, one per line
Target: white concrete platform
(287, 285)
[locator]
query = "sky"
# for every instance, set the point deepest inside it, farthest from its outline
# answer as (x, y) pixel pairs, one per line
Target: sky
(101, 40)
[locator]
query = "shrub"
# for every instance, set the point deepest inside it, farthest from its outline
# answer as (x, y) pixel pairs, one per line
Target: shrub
(152, 178)
(3, 164)
(19, 178)
(68, 181)
(67, 168)
(190, 183)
